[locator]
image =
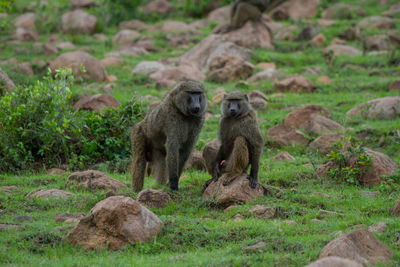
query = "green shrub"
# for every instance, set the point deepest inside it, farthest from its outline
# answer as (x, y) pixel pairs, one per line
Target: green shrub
(39, 128)
(115, 11)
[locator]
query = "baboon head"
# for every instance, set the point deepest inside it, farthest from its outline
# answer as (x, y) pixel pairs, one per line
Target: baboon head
(189, 96)
(235, 104)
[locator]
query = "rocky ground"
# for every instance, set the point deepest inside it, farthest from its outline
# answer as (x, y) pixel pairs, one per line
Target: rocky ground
(331, 70)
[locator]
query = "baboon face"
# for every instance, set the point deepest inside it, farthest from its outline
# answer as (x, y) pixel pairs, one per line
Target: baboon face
(191, 98)
(235, 104)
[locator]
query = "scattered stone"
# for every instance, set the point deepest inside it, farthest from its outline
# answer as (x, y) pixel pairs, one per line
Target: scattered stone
(93, 180)
(286, 34)
(78, 21)
(62, 217)
(161, 7)
(238, 217)
(376, 22)
(307, 33)
(227, 68)
(6, 226)
(5, 79)
(338, 41)
(258, 100)
(326, 213)
(318, 221)
(393, 11)
(396, 209)
(379, 228)
(237, 191)
(168, 77)
(282, 135)
(56, 171)
(195, 161)
(263, 212)
(334, 262)
(220, 15)
(112, 61)
(324, 143)
(284, 156)
(49, 49)
(135, 25)
(125, 36)
(382, 108)
(290, 222)
(175, 26)
(358, 245)
(257, 247)
(153, 198)
(295, 84)
(324, 80)
(295, 9)
(7, 188)
(74, 60)
(26, 69)
(47, 193)
(370, 193)
(394, 86)
(267, 65)
(378, 42)
(325, 22)
(231, 207)
(100, 37)
(23, 218)
(318, 40)
(343, 11)
(267, 75)
(338, 50)
(111, 78)
(113, 223)
(26, 21)
(23, 34)
(65, 46)
(148, 67)
(63, 228)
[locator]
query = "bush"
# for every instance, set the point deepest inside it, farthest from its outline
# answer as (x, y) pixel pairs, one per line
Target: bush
(39, 128)
(115, 11)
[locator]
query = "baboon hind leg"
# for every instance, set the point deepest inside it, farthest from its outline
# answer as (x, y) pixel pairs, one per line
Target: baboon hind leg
(138, 142)
(159, 167)
(238, 161)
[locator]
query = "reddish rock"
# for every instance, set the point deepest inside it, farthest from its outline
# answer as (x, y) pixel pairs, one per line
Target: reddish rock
(56, 171)
(393, 11)
(47, 193)
(263, 212)
(112, 61)
(78, 21)
(26, 69)
(131, 50)
(96, 102)
(49, 49)
(148, 67)
(284, 156)
(125, 36)
(7, 188)
(381, 108)
(295, 84)
(324, 143)
(324, 80)
(227, 68)
(220, 15)
(286, 34)
(258, 100)
(285, 136)
(115, 222)
(267, 65)
(318, 40)
(295, 9)
(195, 161)
(93, 180)
(23, 34)
(152, 198)
(161, 7)
(26, 21)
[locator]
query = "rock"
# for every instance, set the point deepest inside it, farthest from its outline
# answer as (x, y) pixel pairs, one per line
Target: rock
(10, 61)
(78, 21)
(258, 100)
(148, 67)
(131, 50)
(168, 77)
(3, 15)
(6, 226)
(379, 228)
(23, 34)
(93, 180)
(153, 198)
(26, 69)
(325, 22)
(9, 84)
(161, 7)
(135, 25)
(238, 217)
(49, 49)
(23, 218)
(343, 11)
(236, 192)
(209, 154)
(100, 37)
(231, 207)
(175, 26)
(382, 108)
(338, 50)
(284, 156)
(324, 143)
(377, 42)
(295, 9)
(62, 217)
(267, 75)
(396, 209)
(318, 40)
(253, 34)
(350, 34)
(65, 45)
(195, 161)
(112, 61)
(82, 3)
(286, 34)
(324, 80)
(47, 193)
(7, 188)
(221, 15)
(375, 22)
(307, 33)
(26, 21)
(227, 68)
(96, 102)
(125, 36)
(267, 65)
(94, 69)
(290, 222)
(334, 262)
(111, 78)
(56, 171)
(257, 247)
(213, 46)
(263, 212)
(393, 11)
(113, 223)
(283, 135)
(313, 119)
(295, 84)
(358, 245)
(394, 86)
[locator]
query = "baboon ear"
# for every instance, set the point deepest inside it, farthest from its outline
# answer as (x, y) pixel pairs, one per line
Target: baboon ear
(224, 96)
(247, 97)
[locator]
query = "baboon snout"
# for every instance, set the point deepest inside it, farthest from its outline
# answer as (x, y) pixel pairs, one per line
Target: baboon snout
(233, 112)
(195, 109)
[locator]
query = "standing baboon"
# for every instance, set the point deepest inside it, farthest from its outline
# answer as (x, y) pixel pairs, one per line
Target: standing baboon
(168, 133)
(240, 138)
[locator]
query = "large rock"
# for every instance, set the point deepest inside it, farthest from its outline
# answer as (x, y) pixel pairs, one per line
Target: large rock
(295, 84)
(358, 245)
(93, 180)
(381, 108)
(237, 191)
(167, 77)
(258, 100)
(228, 68)
(46, 193)
(125, 36)
(267, 75)
(94, 69)
(114, 222)
(313, 119)
(24, 34)
(26, 21)
(148, 67)
(209, 154)
(161, 7)
(282, 135)
(324, 143)
(213, 46)
(96, 102)
(396, 209)
(220, 15)
(334, 262)
(342, 11)
(393, 11)
(254, 34)
(78, 21)
(295, 9)
(376, 22)
(195, 161)
(6, 80)
(153, 198)
(338, 50)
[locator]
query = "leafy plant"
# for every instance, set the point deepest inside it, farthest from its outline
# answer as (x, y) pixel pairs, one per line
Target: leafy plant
(350, 161)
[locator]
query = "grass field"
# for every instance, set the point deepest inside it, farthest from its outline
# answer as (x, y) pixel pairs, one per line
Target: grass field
(197, 232)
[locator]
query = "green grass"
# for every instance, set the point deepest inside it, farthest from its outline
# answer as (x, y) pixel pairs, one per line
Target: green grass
(197, 232)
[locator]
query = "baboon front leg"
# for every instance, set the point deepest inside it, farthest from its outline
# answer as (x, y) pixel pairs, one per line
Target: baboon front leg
(172, 161)
(238, 161)
(138, 141)
(255, 163)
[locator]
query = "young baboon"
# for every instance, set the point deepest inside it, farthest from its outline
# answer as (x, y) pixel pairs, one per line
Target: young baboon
(240, 138)
(168, 133)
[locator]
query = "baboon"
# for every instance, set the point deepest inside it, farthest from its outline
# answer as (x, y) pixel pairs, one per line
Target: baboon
(245, 10)
(240, 138)
(168, 133)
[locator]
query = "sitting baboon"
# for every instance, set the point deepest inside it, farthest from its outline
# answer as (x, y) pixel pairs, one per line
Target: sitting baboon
(240, 139)
(168, 133)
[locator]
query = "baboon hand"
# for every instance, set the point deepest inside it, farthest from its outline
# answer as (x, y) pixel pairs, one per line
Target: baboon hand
(173, 184)
(253, 181)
